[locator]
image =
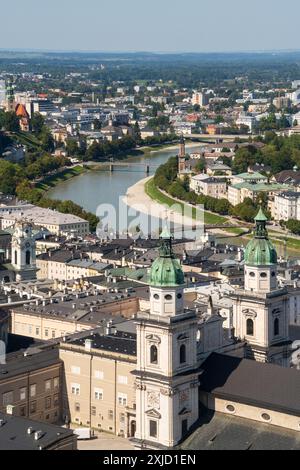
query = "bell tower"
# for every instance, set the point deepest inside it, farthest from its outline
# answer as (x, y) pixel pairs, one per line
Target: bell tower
(261, 309)
(23, 255)
(181, 156)
(167, 372)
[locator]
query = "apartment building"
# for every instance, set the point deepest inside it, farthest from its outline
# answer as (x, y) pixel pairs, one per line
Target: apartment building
(237, 193)
(65, 314)
(56, 222)
(26, 434)
(65, 265)
(209, 186)
(31, 385)
(99, 388)
(286, 206)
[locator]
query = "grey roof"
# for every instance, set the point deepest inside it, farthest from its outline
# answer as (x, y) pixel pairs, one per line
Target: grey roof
(253, 383)
(218, 431)
(121, 342)
(14, 436)
(19, 364)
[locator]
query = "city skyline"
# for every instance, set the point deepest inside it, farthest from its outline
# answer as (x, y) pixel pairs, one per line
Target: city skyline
(168, 28)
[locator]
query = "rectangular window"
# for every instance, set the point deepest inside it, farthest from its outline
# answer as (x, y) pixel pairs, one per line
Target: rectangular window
(93, 410)
(99, 375)
(122, 379)
(7, 398)
(56, 382)
(56, 400)
(48, 385)
(37, 332)
(75, 370)
(153, 428)
(33, 390)
(122, 399)
(75, 389)
(22, 393)
(33, 407)
(110, 414)
(77, 407)
(46, 333)
(98, 394)
(53, 333)
(122, 417)
(48, 403)
(23, 411)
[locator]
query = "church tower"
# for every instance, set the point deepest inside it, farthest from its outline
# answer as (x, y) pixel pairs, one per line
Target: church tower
(23, 256)
(10, 97)
(166, 374)
(181, 156)
(260, 310)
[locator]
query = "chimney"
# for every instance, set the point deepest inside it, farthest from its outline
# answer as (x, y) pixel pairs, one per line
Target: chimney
(88, 344)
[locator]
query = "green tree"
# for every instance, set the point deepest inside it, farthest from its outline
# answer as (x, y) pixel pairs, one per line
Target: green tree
(11, 122)
(37, 123)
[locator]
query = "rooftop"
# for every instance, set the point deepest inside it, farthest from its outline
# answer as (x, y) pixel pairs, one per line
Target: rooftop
(232, 378)
(217, 431)
(14, 434)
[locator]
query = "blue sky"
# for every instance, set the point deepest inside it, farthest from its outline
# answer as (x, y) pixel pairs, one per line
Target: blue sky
(150, 25)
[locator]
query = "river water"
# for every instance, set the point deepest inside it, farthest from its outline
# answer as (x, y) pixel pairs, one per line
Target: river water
(97, 188)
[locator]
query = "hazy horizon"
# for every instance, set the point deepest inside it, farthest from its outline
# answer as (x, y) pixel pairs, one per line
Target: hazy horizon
(159, 27)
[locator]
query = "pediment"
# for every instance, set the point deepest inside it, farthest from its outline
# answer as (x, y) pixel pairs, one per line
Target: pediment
(184, 411)
(153, 339)
(153, 414)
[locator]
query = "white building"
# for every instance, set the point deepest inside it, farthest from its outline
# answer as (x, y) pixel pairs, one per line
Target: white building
(286, 206)
(201, 99)
(245, 119)
(56, 222)
(209, 186)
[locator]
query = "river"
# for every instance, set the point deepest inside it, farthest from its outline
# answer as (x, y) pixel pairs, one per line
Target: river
(96, 188)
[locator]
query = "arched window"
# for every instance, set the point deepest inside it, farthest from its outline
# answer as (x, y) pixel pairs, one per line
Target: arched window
(28, 256)
(153, 355)
(16, 257)
(182, 354)
(276, 327)
(250, 327)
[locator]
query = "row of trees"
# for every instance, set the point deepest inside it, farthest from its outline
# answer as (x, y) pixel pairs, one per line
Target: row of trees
(102, 150)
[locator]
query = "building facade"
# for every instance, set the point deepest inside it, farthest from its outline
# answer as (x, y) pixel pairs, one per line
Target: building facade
(261, 309)
(166, 375)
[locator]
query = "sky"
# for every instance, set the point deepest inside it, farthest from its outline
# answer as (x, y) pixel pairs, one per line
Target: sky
(150, 25)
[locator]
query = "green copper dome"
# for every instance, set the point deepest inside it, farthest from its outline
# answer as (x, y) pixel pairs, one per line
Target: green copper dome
(260, 251)
(166, 270)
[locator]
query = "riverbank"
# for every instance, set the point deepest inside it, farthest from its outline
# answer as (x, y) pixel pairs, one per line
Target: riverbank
(51, 181)
(136, 197)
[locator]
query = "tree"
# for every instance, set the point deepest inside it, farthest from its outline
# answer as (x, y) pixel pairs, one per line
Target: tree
(47, 141)
(10, 176)
(72, 147)
(137, 133)
(37, 123)
(11, 122)
(200, 165)
(294, 226)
